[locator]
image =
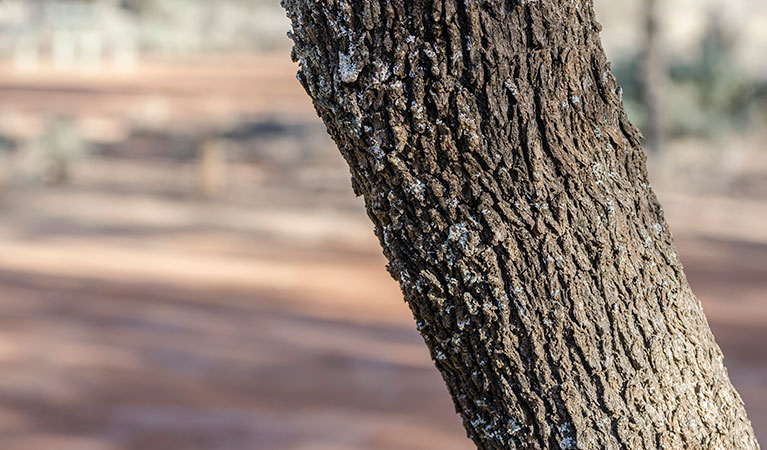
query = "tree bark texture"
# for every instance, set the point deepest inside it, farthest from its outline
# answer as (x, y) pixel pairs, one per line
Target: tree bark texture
(510, 196)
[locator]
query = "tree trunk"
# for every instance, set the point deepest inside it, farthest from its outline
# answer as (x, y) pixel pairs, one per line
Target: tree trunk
(509, 193)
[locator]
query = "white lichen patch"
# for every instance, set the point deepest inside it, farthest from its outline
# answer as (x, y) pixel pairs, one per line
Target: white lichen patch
(512, 87)
(348, 69)
(417, 189)
(381, 72)
(596, 170)
(456, 341)
(404, 279)
(567, 443)
(513, 427)
(458, 233)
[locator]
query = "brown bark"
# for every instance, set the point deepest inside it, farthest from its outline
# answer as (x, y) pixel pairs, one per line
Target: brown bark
(509, 193)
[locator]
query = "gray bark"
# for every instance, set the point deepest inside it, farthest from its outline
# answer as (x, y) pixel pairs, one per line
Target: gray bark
(510, 196)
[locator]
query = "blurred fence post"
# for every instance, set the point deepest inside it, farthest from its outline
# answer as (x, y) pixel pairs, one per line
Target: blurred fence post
(4, 170)
(212, 166)
(653, 79)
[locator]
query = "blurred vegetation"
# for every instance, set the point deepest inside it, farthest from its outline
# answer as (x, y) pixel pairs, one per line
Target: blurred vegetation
(161, 26)
(707, 95)
(202, 25)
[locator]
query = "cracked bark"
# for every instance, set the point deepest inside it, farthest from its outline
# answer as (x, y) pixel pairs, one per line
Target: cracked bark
(510, 196)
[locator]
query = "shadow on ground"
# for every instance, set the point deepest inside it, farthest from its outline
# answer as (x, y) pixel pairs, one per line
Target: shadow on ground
(97, 364)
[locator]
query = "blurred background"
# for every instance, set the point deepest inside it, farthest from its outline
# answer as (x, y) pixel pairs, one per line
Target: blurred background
(183, 264)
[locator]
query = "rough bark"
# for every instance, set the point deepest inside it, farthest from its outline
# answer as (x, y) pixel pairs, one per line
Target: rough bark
(510, 196)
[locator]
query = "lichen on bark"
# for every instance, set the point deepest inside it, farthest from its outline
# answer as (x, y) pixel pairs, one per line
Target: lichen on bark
(510, 196)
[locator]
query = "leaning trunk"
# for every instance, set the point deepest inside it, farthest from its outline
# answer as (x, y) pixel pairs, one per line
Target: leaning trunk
(509, 193)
